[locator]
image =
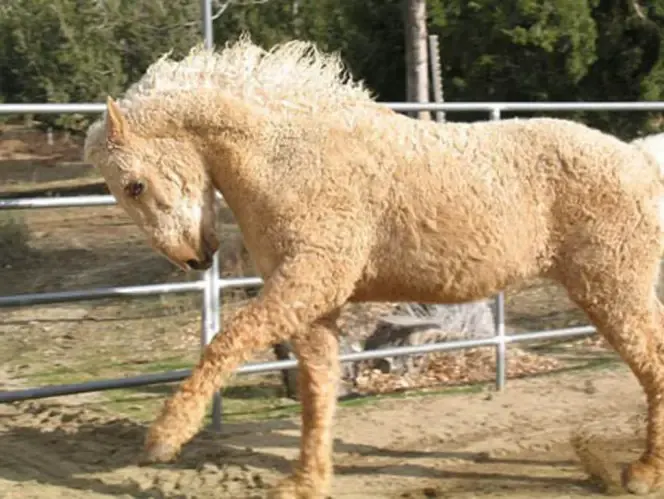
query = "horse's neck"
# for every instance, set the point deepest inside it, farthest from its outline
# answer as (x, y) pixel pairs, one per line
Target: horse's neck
(241, 174)
(225, 131)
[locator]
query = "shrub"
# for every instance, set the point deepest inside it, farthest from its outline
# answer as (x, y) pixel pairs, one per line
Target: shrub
(14, 237)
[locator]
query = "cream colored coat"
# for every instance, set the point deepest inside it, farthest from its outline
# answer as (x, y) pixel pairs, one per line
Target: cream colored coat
(340, 199)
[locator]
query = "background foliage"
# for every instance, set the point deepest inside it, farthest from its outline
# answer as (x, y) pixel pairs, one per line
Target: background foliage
(501, 50)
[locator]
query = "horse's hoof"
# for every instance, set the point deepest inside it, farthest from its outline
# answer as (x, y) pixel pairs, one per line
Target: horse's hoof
(640, 478)
(158, 452)
(295, 488)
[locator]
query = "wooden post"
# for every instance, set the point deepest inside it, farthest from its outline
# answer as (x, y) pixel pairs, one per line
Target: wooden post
(417, 82)
(436, 75)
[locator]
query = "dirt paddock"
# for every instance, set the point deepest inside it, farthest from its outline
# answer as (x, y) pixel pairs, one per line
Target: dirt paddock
(513, 444)
(455, 439)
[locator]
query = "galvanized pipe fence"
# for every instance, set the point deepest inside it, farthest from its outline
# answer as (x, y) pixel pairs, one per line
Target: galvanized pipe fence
(211, 285)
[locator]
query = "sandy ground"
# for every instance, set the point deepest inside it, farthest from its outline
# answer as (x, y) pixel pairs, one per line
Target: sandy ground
(513, 444)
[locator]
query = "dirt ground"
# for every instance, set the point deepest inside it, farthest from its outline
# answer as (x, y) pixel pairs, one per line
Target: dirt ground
(456, 438)
(464, 445)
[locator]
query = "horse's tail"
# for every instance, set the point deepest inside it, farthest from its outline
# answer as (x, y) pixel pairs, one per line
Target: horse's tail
(654, 146)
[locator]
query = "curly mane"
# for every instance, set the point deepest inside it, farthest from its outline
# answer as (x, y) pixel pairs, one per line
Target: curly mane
(292, 74)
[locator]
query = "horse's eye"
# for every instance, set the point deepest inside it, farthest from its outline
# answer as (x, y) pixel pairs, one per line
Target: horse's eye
(135, 189)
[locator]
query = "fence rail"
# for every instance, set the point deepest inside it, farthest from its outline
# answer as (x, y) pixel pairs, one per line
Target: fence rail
(211, 284)
(59, 202)
(265, 367)
(94, 108)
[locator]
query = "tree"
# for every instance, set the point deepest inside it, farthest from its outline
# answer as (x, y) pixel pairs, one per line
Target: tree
(628, 66)
(146, 29)
(80, 51)
(52, 52)
(507, 50)
(417, 70)
(522, 50)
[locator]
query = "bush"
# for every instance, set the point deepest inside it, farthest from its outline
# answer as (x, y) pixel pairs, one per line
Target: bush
(14, 237)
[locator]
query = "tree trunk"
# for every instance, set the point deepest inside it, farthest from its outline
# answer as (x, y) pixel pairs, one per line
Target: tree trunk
(417, 81)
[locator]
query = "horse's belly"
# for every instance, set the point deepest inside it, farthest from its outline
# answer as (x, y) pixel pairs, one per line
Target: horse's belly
(445, 269)
(450, 281)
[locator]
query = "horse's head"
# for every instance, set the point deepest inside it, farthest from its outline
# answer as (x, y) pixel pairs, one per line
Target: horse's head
(162, 184)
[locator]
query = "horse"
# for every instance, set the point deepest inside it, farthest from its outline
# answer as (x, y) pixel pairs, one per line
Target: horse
(340, 199)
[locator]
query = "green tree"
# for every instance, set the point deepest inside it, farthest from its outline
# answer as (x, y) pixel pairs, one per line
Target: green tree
(501, 50)
(82, 50)
(146, 29)
(368, 34)
(514, 50)
(53, 52)
(629, 64)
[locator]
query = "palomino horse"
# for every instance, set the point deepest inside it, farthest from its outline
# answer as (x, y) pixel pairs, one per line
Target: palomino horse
(340, 199)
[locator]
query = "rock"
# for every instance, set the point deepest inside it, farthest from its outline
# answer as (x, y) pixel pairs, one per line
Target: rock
(394, 325)
(422, 324)
(283, 351)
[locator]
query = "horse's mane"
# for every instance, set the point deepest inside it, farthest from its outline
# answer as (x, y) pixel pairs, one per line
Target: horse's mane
(291, 77)
(292, 74)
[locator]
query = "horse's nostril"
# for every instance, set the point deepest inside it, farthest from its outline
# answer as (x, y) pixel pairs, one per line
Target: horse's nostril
(199, 264)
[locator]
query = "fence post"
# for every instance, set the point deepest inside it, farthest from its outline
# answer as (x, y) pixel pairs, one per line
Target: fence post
(206, 19)
(211, 314)
(211, 324)
(499, 317)
(436, 75)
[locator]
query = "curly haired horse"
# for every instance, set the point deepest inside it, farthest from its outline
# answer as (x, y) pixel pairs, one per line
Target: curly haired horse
(340, 199)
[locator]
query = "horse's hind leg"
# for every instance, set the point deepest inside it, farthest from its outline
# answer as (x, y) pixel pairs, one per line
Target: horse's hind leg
(616, 289)
(317, 351)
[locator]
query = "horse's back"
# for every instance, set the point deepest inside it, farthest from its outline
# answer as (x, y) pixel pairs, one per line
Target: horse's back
(494, 204)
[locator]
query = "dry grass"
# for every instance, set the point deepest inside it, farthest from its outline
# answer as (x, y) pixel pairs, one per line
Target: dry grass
(14, 236)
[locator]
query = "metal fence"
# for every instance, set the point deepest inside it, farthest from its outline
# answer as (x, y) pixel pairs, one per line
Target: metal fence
(211, 284)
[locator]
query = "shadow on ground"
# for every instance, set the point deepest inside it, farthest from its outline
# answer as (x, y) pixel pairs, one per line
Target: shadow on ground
(79, 450)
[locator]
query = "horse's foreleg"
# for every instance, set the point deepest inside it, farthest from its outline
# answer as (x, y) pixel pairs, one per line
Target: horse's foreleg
(303, 290)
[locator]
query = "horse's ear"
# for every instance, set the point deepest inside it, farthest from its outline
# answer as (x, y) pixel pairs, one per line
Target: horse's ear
(116, 126)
